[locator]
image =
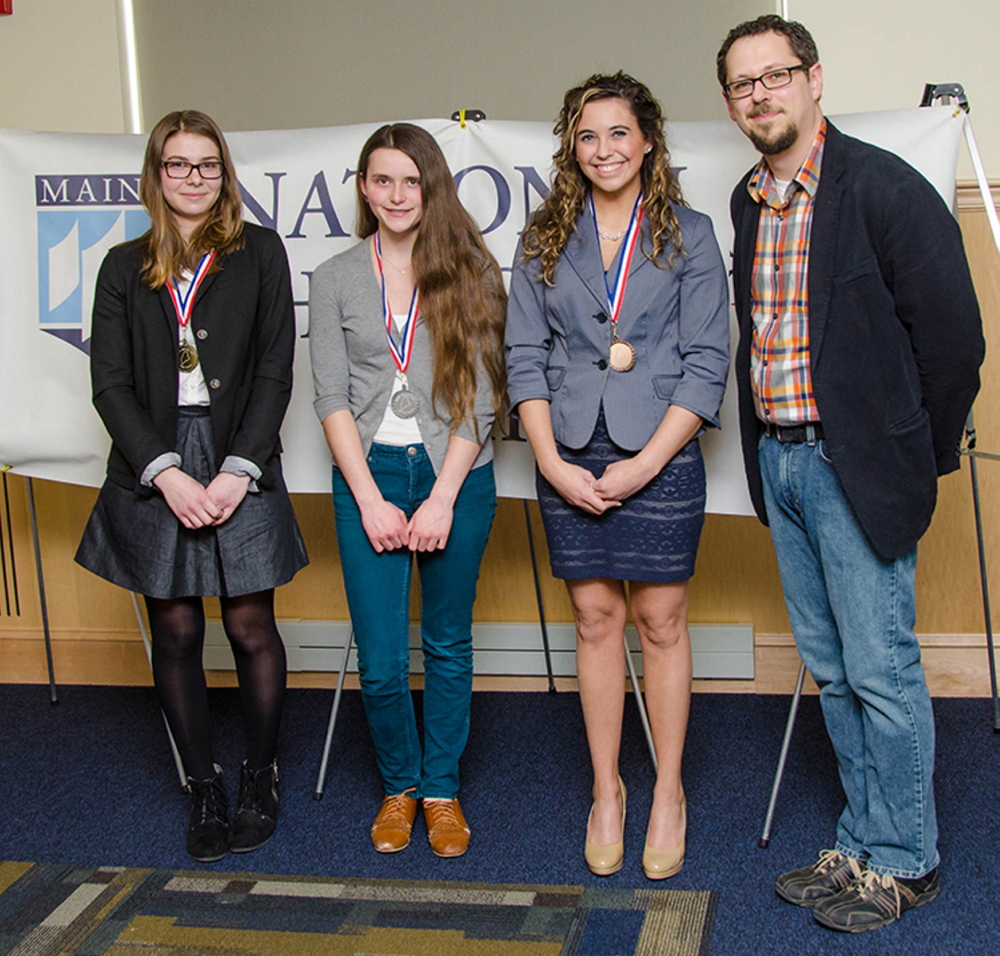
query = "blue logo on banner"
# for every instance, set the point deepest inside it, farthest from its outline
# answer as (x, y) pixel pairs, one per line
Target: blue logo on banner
(79, 219)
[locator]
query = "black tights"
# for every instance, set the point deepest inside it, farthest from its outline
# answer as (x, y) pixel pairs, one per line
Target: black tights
(177, 626)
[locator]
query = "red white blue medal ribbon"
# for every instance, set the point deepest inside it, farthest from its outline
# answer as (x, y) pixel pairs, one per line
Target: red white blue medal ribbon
(400, 353)
(403, 403)
(184, 304)
(616, 293)
(187, 355)
(622, 354)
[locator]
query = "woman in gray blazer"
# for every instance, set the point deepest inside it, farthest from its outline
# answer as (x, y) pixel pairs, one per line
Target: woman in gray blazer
(406, 336)
(191, 360)
(617, 352)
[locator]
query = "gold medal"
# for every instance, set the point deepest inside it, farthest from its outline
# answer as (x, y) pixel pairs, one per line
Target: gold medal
(187, 357)
(622, 355)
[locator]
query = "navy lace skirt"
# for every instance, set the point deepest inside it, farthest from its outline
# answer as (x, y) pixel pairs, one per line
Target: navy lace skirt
(652, 537)
(138, 543)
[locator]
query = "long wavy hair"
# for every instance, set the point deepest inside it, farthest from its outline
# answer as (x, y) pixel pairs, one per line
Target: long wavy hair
(165, 255)
(462, 298)
(555, 219)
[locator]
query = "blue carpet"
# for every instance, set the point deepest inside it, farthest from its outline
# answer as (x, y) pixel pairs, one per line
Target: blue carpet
(91, 782)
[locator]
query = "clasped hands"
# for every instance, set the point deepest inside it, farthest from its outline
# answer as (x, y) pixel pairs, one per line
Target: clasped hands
(198, 506)
(620, 480)
(387, 526)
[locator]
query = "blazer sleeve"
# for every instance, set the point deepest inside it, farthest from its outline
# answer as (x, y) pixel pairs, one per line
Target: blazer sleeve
(924, 260)
(528, 338)
(113, 353)
(703, 333)
(256, 436)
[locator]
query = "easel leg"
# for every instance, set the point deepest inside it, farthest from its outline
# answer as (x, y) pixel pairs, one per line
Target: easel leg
(986, 594)
(765, 837)
(11, 587)
(321, 779)
(641, 704)
(53, 696)
(538, 597)
(178, 763)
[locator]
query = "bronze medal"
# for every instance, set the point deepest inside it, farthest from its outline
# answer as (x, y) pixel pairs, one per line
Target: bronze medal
(404, 403)
(187, 351)
(622, 355)
(187, 357)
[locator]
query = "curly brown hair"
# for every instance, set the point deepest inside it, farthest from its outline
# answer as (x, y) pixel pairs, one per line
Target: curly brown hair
(555, 219)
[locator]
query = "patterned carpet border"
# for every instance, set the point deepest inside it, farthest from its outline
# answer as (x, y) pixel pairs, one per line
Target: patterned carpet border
(121, 911)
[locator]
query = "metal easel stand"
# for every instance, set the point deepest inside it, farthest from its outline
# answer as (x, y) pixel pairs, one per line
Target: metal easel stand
(641, 704)
(765, 837)
(53, 696)
(970, 433)
(178, 763)
(538, 597)
(324, 762)
(639, 701)
(955, 92)
(932, 93)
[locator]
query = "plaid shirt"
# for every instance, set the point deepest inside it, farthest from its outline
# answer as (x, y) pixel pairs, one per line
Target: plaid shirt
(779, 357)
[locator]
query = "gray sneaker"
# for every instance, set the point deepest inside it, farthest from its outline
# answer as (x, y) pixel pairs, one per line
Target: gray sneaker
(830, 874)
(876, 900)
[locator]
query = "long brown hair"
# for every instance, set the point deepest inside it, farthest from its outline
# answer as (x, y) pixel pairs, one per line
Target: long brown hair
(462, 298)
(555, 219)
(164, 253)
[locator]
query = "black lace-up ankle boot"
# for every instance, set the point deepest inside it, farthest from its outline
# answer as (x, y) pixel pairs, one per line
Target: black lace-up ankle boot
(208, 828)
(256, 808)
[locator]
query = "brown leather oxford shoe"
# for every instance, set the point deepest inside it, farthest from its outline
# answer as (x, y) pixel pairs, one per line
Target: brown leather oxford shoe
(394, 823)
(446, 827)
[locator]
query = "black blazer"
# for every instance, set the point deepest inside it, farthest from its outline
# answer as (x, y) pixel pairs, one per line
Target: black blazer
(895, 336)
(244, 322)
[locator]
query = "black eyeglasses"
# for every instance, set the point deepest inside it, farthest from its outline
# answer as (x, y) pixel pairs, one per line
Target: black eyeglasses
(772, 80)
(178, 169)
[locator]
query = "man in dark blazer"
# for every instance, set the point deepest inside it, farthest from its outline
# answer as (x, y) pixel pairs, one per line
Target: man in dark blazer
(860, 345)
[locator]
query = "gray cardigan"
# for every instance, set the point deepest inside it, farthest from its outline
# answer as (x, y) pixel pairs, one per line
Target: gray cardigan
(353, 368)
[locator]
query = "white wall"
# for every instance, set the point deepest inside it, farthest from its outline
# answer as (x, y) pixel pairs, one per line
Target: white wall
(256, 64)
(59, 67)
(878, 54)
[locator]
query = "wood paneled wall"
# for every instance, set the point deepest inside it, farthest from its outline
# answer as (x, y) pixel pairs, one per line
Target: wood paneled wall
(95, 638)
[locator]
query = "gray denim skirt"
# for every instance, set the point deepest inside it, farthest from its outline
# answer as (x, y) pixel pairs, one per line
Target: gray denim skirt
(138, 543)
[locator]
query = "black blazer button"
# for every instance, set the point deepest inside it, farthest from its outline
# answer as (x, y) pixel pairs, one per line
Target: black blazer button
(202, 334)
(215, 383)
(602, 364)
(601, 317)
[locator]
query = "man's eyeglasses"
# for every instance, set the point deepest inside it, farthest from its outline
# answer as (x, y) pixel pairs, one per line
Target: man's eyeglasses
(772, 80)
(177, 169)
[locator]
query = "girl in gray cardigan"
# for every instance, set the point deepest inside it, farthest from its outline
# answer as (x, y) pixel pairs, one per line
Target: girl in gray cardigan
(406, 333)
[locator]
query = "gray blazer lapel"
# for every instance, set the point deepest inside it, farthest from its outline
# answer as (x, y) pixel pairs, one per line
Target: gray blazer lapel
(583, 254)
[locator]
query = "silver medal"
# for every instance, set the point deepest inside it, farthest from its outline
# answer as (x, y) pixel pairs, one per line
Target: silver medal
(404, 403)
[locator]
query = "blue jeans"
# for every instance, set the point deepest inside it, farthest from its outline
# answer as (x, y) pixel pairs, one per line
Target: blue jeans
(378, 596)
(853, 615)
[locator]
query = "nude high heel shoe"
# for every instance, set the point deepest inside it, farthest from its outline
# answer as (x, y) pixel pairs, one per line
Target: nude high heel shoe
(659, 864)
(605, 860)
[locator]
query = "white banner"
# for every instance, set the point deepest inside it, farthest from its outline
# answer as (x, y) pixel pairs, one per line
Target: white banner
(66, 198)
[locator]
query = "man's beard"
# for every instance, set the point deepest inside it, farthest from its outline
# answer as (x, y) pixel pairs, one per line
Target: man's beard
(771, 147)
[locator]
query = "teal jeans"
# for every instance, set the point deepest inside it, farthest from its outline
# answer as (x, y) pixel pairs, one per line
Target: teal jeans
(378, 596)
